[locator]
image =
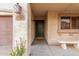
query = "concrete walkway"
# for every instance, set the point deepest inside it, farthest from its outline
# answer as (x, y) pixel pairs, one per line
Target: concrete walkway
(5, 51)
(40, 48)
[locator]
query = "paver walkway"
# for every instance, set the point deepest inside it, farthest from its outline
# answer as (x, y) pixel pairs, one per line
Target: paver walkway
(40, 48)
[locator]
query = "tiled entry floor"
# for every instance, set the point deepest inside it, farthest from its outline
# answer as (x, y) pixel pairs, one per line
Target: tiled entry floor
(40, 48)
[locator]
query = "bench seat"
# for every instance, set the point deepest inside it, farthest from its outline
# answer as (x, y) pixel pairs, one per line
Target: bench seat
(64, 43)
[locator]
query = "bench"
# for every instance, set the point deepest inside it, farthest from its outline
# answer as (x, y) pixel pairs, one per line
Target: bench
(65, 42)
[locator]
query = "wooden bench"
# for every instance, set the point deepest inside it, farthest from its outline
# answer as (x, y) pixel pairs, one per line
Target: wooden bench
(65, 42)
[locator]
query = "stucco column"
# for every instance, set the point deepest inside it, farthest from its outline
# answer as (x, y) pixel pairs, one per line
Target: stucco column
(20, 27)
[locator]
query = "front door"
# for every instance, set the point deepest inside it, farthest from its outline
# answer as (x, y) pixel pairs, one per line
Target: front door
(39, 28)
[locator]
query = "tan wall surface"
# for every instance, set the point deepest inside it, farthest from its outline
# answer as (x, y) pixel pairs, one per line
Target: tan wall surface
(52, 27)
(32, 29)
(31, 26)
(46, 28)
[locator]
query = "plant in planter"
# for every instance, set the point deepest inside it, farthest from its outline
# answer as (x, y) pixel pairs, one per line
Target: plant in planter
(19, 50)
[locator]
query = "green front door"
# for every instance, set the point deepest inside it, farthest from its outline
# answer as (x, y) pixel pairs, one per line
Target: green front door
(39, 28)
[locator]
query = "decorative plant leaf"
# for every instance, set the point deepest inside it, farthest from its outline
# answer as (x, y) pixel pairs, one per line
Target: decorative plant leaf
(19, 50)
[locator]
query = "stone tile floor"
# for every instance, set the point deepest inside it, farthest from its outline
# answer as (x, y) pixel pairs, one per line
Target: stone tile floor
(40, 48)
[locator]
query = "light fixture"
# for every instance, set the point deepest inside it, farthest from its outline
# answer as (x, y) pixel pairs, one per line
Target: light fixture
(17, 8)
(18, 11)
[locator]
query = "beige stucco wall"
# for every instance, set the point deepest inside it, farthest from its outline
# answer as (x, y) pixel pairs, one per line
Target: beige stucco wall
(54, 34)
(20, 27)
(31, 28)
(46, 27)
(52, 27)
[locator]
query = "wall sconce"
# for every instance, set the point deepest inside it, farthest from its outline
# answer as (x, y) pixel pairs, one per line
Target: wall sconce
(17, 8)
(18, 11)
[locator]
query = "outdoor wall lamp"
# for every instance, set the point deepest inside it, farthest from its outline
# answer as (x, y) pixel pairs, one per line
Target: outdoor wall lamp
(18, 11)
(17, 8)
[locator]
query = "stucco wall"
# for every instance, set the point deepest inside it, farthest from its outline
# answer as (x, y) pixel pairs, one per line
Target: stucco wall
(20, 27)
(46, 28)
(54, 34)
(31, 28)
(52, 27)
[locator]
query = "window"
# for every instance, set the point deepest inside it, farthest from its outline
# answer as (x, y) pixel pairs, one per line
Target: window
(75, 22)
(65, 22)
(69, 22)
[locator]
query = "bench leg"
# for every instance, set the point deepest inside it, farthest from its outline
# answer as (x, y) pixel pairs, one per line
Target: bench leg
(64, 46)
(76, 46)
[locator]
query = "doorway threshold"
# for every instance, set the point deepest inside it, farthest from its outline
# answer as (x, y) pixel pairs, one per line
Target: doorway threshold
(39, 38)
